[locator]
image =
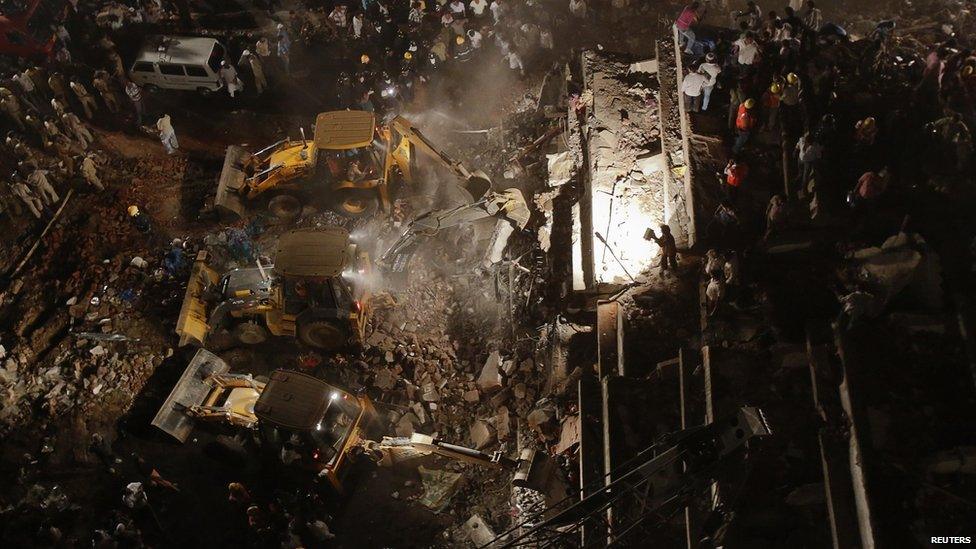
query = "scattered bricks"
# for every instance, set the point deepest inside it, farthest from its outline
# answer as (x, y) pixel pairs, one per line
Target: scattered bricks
(490, 378)
(472, 396)
(481, 434)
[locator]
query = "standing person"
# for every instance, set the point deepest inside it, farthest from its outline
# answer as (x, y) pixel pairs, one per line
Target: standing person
(771, 100)
(284, 47)
(736, 172)
(746, 50)
(87, 101)
(686, 23)
(42, 187)
(104, 89)
(263, 48)
(31, 95)
(714, 293)
(808, 152)
(515, 63)
(669, 248)
(77, 128)
(257, 70)
(228, 76)
(812, 17)
(90, 172)
(712, 69)
(134, 92)
(745, 121)
(167, 135)
(59, 88)
(775, 215)
(737, 97)
(23, 192)
(691, 88)
(139, 219)
(10, 106)
(789, 103)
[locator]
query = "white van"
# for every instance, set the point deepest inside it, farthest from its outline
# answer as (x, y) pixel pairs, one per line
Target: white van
(179, 63)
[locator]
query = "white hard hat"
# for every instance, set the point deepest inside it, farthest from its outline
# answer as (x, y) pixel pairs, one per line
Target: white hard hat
(246, 52)
(280, 26)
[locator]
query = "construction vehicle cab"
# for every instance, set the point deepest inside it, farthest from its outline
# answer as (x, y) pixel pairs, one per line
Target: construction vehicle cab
(346, 166)
(314, 292)
(315, 423)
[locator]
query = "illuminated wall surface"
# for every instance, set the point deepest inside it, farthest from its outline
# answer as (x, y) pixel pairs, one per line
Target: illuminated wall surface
(625, 176)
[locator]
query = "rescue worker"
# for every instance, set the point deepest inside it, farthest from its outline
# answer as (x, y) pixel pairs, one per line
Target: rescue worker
(809, 152)
(90, 172)
(27, 86)
(11, 107)
(714, 293)
(36, 126)
(139, 219)
(167, 135)
(87, 101)
(104, 89)
(775, 215)
(263, 48)
(59, 88)
(134, 92)
(228, 76)
(77, 128)
(712, 69)
(257, 69)
(284, 47)
(771, 100)
(41, 186)
(669, 248)
(745, 122)
(692, 86)
(66, 157)
(58, 107)
(51, 132)
(790, 101)
(23, 192)
(736, 172)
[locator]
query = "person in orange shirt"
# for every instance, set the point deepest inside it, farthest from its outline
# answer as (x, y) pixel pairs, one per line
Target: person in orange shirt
(736, 172)
(745, 121)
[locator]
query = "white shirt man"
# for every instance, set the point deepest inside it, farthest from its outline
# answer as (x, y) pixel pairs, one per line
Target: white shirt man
(747, 50)
(712, 70)
(515, 62)
(458, 9)
(498, 9)
(475, 38)
(478, 7)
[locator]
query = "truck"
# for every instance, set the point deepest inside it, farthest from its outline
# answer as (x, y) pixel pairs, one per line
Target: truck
(314, 291)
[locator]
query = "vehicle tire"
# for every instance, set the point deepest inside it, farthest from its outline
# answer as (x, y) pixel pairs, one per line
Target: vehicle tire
(250, 333)
(322, 334)
(285, 207)
(355, 203)
(151, 88)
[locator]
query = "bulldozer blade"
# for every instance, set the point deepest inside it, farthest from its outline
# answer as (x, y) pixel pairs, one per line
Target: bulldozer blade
(534, 470)
(229, 202)
(191, 390)
(192, 325)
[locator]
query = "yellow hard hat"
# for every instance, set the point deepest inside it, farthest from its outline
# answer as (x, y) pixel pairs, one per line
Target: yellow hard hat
(967, 70)
(750, 103)
(775, 89)
(364, 59)
(792, 78)
(869, 121)
(407, 55)
(459, 40)
(133, 211)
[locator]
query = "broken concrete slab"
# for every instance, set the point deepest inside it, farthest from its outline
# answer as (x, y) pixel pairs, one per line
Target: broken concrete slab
(490, 377)
(478, 532)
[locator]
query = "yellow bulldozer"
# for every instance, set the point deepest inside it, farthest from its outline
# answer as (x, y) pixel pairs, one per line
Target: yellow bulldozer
(314, 291)
(348, 167)
(322, 426)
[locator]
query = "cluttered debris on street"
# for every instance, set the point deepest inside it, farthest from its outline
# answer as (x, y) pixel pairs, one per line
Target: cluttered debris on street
(480, 273)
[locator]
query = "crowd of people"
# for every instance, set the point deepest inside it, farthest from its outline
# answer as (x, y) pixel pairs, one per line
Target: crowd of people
(794, 81)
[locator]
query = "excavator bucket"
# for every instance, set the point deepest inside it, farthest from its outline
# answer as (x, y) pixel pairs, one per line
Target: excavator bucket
(192, 326)
(228, 201)
(192, 389)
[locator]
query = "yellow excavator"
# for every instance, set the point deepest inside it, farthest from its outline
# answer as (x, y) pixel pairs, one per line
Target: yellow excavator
(314, 291)
(349, 164)
(322, 426)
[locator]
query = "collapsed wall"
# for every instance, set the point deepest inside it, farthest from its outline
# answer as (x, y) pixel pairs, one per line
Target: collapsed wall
(614, 139)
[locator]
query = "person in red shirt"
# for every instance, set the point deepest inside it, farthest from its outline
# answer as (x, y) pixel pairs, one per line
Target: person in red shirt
(745, 121)
(685, 24)
(736, 172)
(771, 100)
